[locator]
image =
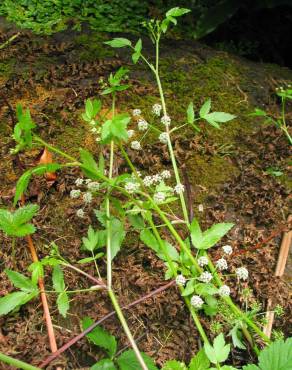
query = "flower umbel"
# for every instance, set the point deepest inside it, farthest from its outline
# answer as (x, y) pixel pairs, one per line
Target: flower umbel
(224, 291)
(203, 261)
(221, 264)
(135, 145)
(179, 188)
(156, 109)
(163, 137)
(227, 249)
(80, 213)
(136, 112)
(131, 187)
(196, 301)
(75, 193)
(180, 280)
(242, 273)
(166, 120)
(142, 125)
(159, 197)
(205, 277)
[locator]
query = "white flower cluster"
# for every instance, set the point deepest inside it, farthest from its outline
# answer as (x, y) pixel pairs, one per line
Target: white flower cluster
(131, 133)
(132, 187)
(147, 181)
(93, 186)
(221, 264)
(163, 137)
(79, 182)
(142, 124)
(205, 277)
(196, 301)
(179, 188)
(159, 197)
(75, 193)
(180, 280)
(166, 120)
(165, 174)
(87, 197)
(224, 291)
(242, 273)
(156, 109)
(203, 261)
(136, 145)
(156, 179)
(227, 249)
(136, 112)
(80, 213)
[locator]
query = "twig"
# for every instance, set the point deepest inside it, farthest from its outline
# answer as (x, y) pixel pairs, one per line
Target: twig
(13, 37)
(91, 327)
(49, 324)
(280, 268)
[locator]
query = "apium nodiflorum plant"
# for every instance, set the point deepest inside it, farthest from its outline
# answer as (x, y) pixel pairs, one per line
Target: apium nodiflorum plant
(143, 199)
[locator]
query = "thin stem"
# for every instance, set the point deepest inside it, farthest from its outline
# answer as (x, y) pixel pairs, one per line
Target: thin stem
(126, 329)
(17, 363)
(54, 149)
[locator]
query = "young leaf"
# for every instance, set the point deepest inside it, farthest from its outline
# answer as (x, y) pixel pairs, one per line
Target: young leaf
(20, 281)
(219, 117)
(58, 279)
(91, 242)
(205, 109)
(37, 271)
(219, 351)
(118, 42)
(177, 12)
(100, 337)
(190, 113)
(200, 361)
(128, 361)
(236, 337)
(63, 303)
(196, 233)
(9, 302)
(174, 365)
(137, 54)
(105, 364)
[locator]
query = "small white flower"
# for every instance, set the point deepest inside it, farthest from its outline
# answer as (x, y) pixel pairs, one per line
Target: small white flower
(163, 137)
(131, 133)
(80, 213)
(98, 139)
(159, 197)
(180, 280)
(87, 181)
(200, 208)
(166, 120)
(138, 173)
(179, 188)
(156, 178)
(92, 122)
(136, 112)
(165, 174)
(242, 273)
(205, 277)
(87, 197)
(93, 186)
(142, 125)
(196, 301)
(148, 180)
(75, 193)
(94, 130)
(203, 261)
(224, 291)
(221, 264)
(156, 109)
(79, 182)
(131, 187)
(227, 249)
(135, 145)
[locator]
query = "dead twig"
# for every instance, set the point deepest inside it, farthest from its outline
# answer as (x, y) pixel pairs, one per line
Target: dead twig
(279, 271)
(91, 327)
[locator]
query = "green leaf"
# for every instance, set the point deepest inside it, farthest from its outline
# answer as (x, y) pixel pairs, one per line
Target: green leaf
(58, 279)
(149, 239)
(105, 364)
(37, 271)
(9, 302)
(174, 365)
(219, 351)
(137, 54)
(89, 108)
(20, 281)
(118, 42)
(89, 166)
(258, 113)
(117, 236)
(200, 361)
(196, 233)
(205, 289)
(189, 288)
(63, 303)
(219, 117)
(100, 337)
(128, 361)
(190, 113)
(236, 337)
(136, 221)
(25, 213)
(205, 109)
(251, 367)
(210, 237)
(278, 356)
(177, 12)
(91, 242)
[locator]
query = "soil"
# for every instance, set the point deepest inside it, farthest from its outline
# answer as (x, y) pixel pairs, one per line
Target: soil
(226, 170)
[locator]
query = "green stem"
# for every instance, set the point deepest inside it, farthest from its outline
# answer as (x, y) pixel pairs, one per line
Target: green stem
(17, 363)
(54, 149)
(126, 329)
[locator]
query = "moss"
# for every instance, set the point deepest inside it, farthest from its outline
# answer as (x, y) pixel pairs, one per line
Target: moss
(91, 47)
(7, 67)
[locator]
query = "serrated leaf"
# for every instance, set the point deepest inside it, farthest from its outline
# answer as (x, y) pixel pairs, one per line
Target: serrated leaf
(89, 166)
(20, 281)
(210, 237)
(91, 242)
(174, 365)
(100, 337)
(128, 361)
(278, 356)
(200, 361)
(136, 221)
(219, 351)
(251, 367)
(58, 279)
(190, 113)
(117, 236)
(37, 271)
(9, 302)
(63, 303)
(105, 364)
(118, 42)
(205, 109)
(25, 213)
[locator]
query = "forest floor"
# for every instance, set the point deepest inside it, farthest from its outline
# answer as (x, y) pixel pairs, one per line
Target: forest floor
(53, 76)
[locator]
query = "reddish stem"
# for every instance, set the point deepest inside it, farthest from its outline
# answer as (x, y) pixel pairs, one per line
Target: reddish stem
(90, 328)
